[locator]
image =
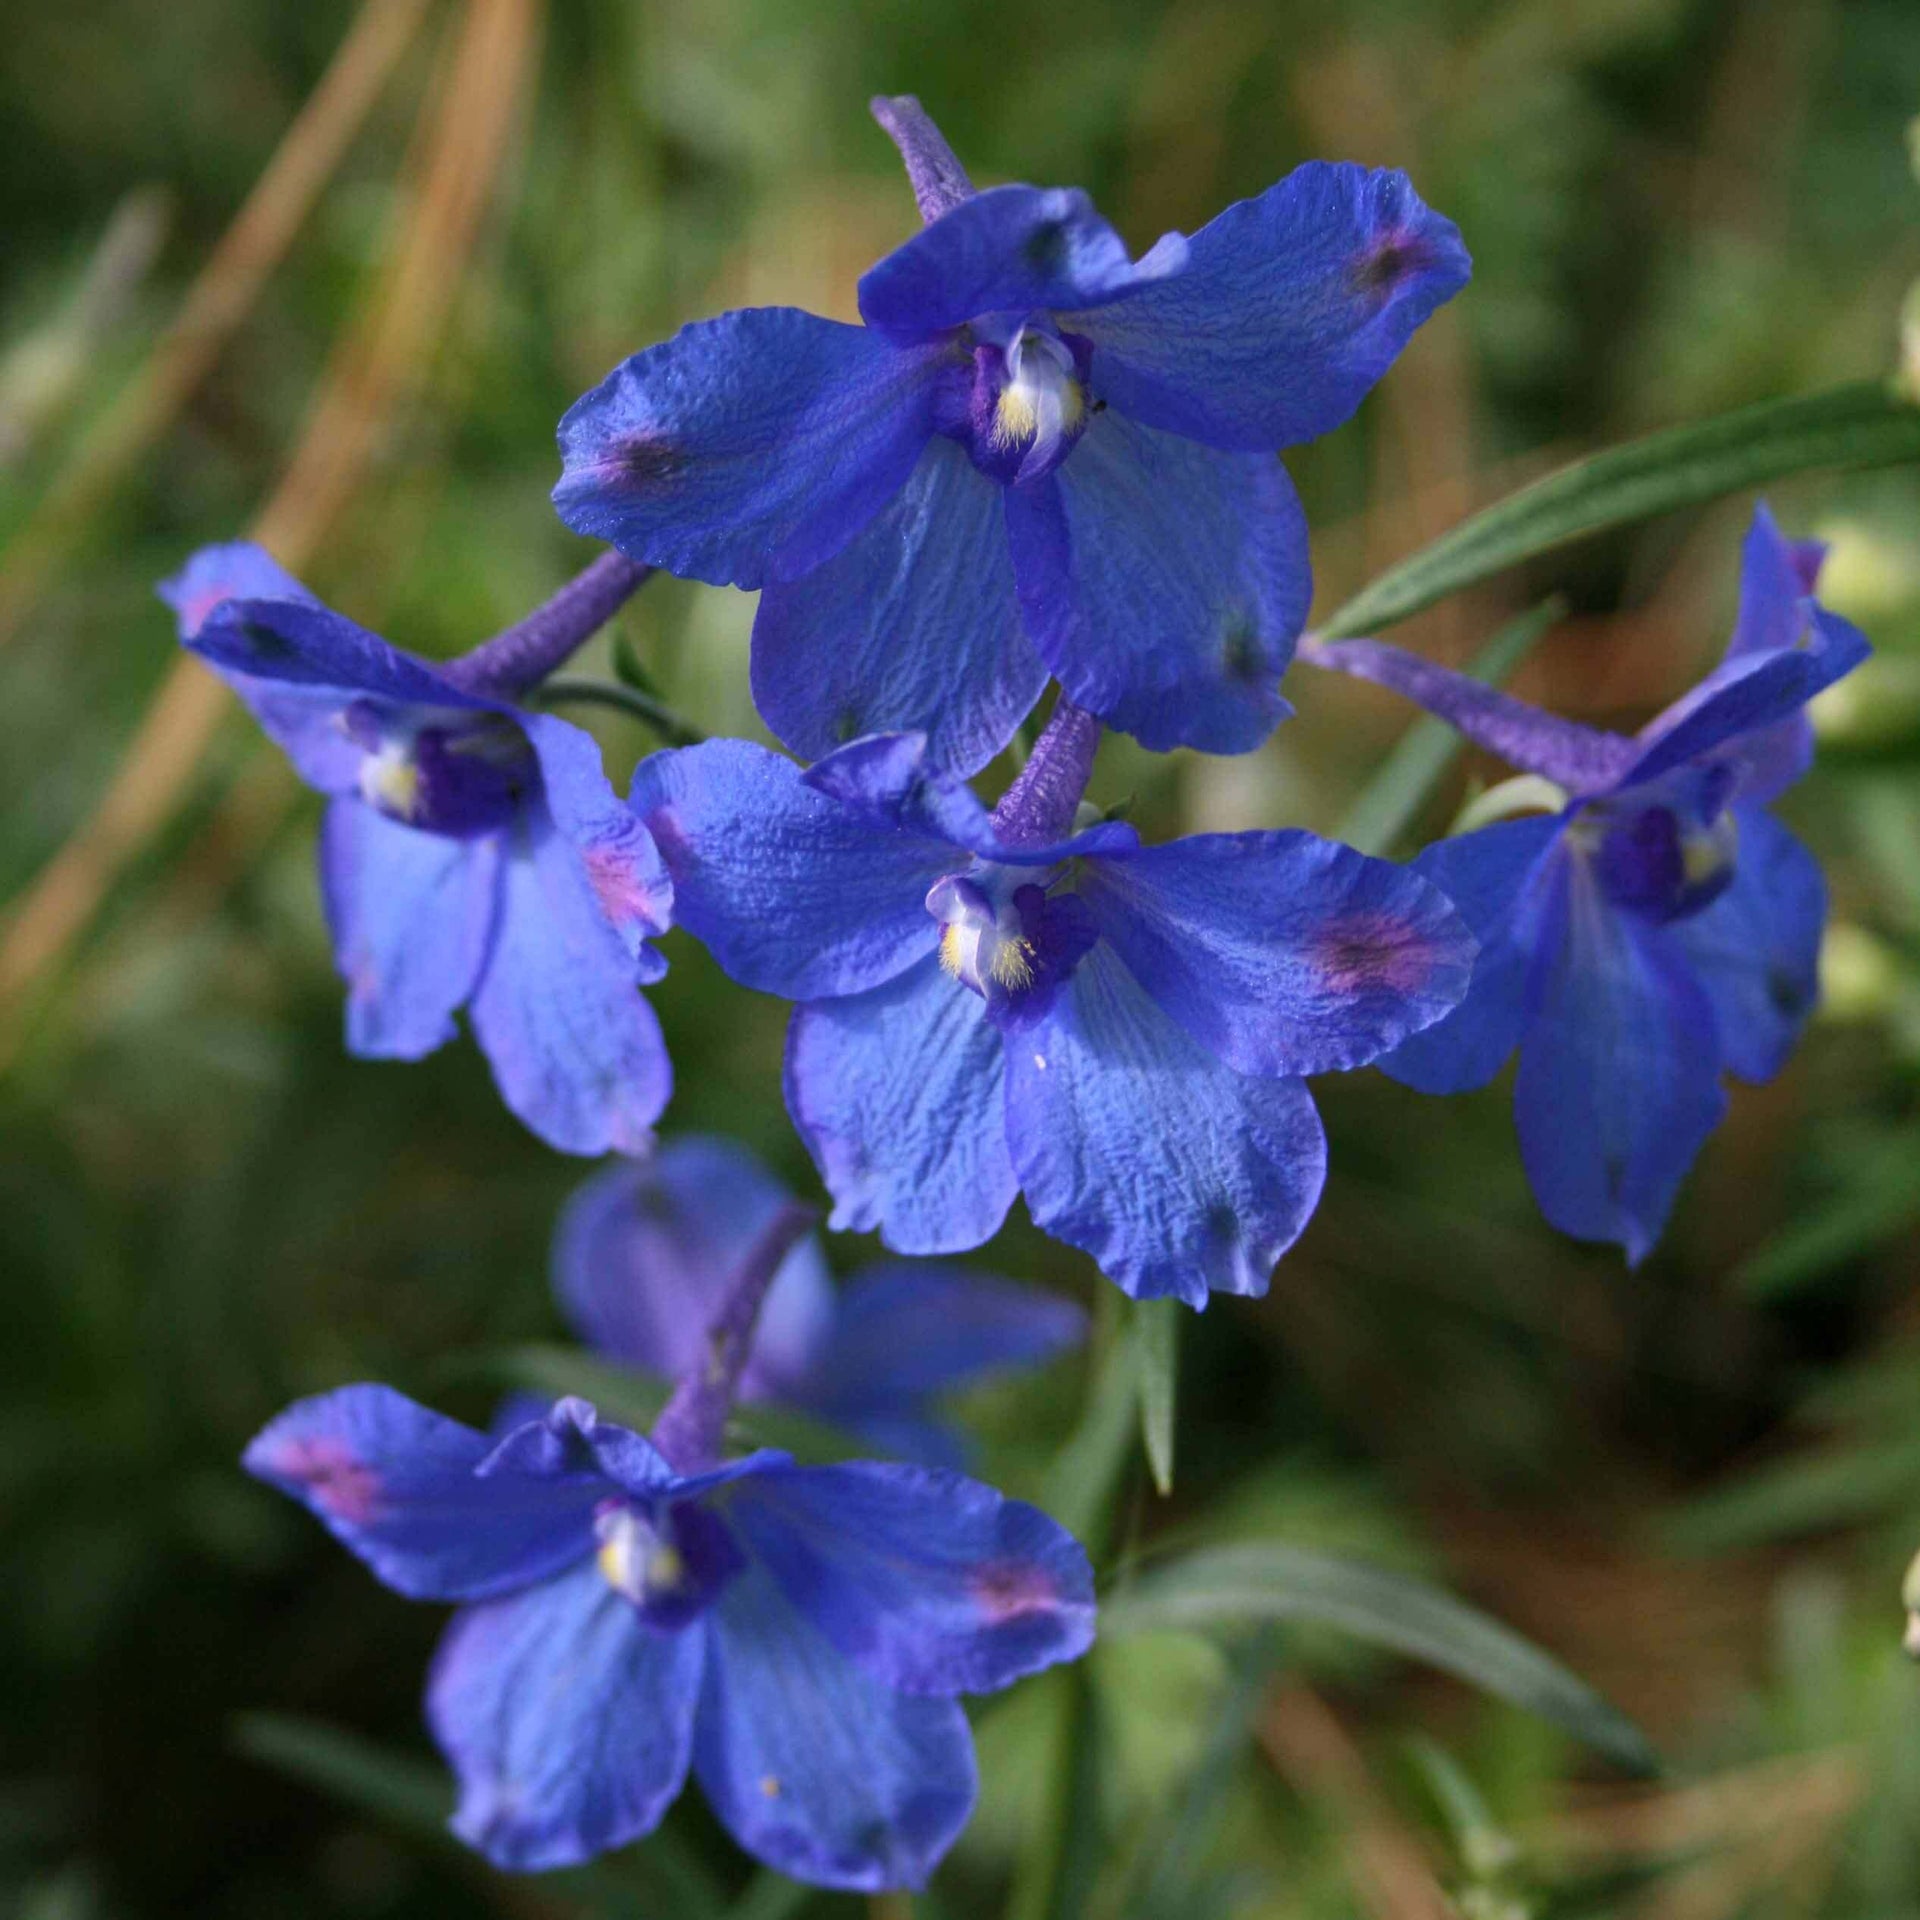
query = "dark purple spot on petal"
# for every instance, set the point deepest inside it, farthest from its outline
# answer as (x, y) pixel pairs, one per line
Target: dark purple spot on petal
(1373, 952)
(1392, 258)
(644, 460)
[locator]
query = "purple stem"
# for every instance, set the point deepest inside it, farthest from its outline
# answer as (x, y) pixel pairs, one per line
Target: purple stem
(518, 659)
(693, 1423)
(939, 181)
(1040, 805)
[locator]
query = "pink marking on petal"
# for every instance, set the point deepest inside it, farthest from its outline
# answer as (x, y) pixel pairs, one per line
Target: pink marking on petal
(194, 610)
(1007, 1589)
(1374, 952)
(346, 1487)
(623, 893)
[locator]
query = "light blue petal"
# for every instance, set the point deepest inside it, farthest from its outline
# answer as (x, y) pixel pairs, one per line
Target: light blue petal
(1619, 1082)
(1133, 1143)
(576, 1051)
(235, 570)
(1777, 578)
(1756, 949)
(397, 1485)
(791, 891)
(747, 448)
(1499, 880)
(412, 916)
(568, 1722)
(815, 1767)
(914, 625)
(1281, 953)
(1008, 250)
(623, 866)
(644, 1253)
(1165, 584)
(897, 1094)
(1292, 306)
(931, 1581)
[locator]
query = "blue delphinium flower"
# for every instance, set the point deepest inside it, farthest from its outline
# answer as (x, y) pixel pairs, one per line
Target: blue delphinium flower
(644, 1250)
(1659, 931)
(992, 1005)
(473, 853)
(1037, 456)
(797, 1636)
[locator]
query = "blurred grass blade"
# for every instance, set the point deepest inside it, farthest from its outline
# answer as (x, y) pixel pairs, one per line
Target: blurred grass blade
(1409, 776)
(771, 1896)
(1238, 1586)
(1086, 1473)
(1061, 1860)
(1880, 1200)
(1156, 1337)
(1838, 1488)
(1855, 426)
(417, 1797)
(634, 1399)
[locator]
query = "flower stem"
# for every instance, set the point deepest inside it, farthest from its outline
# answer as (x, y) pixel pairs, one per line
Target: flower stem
(1041, 803)
(515, 661)
(693, 1423)
(636, 705)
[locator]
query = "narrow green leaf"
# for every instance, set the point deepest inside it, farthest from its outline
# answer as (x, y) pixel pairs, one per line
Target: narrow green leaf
(1856, 426)
(1156, 1337)
(1067, 1845)
(417, 1797)
(1235, 1586)
(649, 710)
(630, 670)
(1880, 1199)
(634, 1399)
(1086, 1472)
(1409, 776)
(1846, 1486)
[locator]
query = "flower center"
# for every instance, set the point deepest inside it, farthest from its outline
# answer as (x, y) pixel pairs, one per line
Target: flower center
(982, 944)
(457, 774)
(1029, 402)
(1662, 862)
(670, 1566)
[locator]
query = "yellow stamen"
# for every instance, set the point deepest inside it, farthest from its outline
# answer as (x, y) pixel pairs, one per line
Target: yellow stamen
(1012, 963)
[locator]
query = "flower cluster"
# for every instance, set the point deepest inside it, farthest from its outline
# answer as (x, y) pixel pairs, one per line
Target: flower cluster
(1039, 459)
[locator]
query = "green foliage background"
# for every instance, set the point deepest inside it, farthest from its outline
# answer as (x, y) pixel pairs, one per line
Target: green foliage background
(1697, 1483)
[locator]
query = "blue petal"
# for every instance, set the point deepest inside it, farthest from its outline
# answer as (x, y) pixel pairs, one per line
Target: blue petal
(792, 892)
(931, 1581)
(1737, 707)
(1008, 250)
(397, 1485)
(1756, 949)
(1292, 305)
(412, 916)
(644, 1254)
(747, 448)
(300, 643)
(1499, 881)
(816, 1767)
(575, 1050)
(238, 570)
(568, 1722)
(897, 1094)
(623, 866)
(910, 1329)
(1165, 584)
(1777, 577)
(1619, 1082)
(914, 625)
(1282, 953)
(1176, 1173)
(1582, 759)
